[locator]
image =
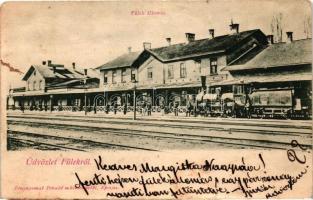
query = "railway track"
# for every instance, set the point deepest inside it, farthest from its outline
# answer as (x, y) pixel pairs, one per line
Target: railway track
(168, 136)
(227, 121)
(64, 143)
(216, 126)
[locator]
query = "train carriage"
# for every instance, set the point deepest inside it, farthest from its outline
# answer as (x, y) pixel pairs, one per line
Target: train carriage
(277, 103)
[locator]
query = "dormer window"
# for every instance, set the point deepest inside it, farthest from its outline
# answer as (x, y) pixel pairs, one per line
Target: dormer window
(35, 73)
(213, 66)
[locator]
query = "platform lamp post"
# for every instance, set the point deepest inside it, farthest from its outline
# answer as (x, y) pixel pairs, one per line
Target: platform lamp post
(153, 94)
(23, 103)
(85, 94)
(104, 100)
(51, 97)
(85, 90)
(133, 79)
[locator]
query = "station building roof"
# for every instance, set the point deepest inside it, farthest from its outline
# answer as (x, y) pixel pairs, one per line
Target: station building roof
(125, 60)
(183, 51)
(203, 47)
(298, 52)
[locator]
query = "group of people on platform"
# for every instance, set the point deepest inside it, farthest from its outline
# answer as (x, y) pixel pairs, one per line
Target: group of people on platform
(146, 109)
(202, 109)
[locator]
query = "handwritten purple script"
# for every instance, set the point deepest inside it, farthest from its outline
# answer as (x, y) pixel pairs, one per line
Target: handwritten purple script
(211, 177)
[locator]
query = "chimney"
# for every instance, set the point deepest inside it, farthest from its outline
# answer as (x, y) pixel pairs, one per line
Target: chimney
(49, 62)
(129, 49)
(54, 68)
(289, 37)
(270, 39)
(169, 40)
(211, 31)
(146, 45)
(43, 62)
(85, 72)
(73, 65)
(190, 37)
(234, 28)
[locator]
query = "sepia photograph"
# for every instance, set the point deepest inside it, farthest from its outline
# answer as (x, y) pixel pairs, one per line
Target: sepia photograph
(156, 77)
(206, 82)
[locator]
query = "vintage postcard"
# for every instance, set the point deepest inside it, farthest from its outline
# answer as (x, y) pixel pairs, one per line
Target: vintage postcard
(208, 99)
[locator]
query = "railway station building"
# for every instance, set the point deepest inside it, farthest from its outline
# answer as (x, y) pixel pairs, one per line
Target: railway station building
(177, 73)
(219, 74)
(54, 87)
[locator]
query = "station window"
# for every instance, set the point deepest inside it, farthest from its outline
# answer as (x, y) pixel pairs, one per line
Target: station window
(123, 78)
(40, 85)
(170, 72)
(105, 77)
(183, 72)
(213, 66)
(34, 85)
(150, 74)
(133, 75)
(114, 76)
(238, 89)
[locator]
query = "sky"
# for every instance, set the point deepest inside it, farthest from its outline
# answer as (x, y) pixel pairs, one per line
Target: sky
(93, 33)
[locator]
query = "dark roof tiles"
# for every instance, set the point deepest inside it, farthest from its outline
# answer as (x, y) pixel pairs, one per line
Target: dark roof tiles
(184, 50)
(280, 54)
(60, 72)
(200, 47)
(125, 60)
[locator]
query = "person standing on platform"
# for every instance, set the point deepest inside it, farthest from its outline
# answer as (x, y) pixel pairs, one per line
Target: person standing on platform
(125, 108)
(22, 108)
(176, 108)
(115, 107)
(195, 110)
(162, 106)
(149, 109)
(107, 109)
(143, 108)
(188, 110)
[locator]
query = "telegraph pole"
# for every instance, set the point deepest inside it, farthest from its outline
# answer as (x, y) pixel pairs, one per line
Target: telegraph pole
(85, 88)
(133, 78)
(134, 100)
